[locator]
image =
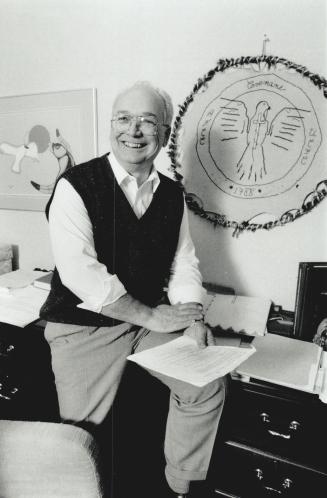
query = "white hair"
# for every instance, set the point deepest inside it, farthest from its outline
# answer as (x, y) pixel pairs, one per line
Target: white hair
(162, 95)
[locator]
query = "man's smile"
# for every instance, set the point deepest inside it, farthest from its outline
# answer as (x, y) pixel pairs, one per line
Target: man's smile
(133, 145)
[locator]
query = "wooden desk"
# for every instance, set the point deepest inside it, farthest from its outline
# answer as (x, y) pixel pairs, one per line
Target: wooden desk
(272, 440)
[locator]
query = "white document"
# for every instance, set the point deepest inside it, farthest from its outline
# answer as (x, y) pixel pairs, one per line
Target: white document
(22, 306)
(241, 314)
(285, 361)
(182, 359)
(17, 279)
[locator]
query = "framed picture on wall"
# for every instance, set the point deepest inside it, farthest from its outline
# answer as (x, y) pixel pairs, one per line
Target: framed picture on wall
(41, 136)
(311, 299)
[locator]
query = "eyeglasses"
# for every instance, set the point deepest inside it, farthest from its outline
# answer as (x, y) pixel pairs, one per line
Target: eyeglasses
(147, 124)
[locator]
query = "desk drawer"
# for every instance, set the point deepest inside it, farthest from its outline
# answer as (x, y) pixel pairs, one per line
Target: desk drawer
(245, 472)
(8, 387)
(27, 389)
(280, 425)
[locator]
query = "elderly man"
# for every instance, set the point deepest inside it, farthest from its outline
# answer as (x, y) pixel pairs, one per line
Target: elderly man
(120, 237)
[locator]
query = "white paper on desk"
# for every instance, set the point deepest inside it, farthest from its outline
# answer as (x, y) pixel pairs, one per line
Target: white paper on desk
(22, 306)
(182, 359)
(18, 279)
(243, 314)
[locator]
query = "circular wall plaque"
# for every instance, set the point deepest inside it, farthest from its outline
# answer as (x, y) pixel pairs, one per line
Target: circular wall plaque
(248, 144)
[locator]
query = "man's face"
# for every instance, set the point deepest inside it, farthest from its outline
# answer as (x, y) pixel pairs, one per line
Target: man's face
(133, 147)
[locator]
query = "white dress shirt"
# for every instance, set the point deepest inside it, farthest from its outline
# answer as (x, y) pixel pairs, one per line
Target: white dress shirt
(74, 253)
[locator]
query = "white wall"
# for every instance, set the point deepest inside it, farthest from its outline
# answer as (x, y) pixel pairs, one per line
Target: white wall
(51, 45)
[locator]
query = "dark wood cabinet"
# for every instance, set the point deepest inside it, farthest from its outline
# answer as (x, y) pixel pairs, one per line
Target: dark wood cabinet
(27, 389)
(272, 442)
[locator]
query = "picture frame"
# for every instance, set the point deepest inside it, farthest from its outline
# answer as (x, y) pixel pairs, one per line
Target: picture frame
(41, 135)
(311, 299)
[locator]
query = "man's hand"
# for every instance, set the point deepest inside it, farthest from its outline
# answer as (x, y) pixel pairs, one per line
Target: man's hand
(321, 334)
(166, 318)
(201, 334)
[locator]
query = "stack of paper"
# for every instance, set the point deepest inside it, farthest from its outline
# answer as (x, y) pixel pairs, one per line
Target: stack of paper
(239, 314)
(20, 302)
(182, 359)
(285, 361)
(17, 279)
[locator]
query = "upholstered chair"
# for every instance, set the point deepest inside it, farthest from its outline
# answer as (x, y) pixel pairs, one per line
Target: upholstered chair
(47, 460)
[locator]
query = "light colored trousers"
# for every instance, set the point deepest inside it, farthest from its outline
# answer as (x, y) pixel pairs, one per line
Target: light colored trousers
(88, 363)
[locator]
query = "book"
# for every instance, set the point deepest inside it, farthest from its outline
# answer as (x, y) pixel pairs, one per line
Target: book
(44, 282)
(237, 314)
(285, 361)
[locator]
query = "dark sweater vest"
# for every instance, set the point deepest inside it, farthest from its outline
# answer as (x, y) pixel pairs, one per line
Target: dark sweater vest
(139, 251)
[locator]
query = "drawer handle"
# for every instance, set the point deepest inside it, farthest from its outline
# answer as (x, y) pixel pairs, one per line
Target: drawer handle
(259, 474)
(9, 393)
(4, 350)
(265, 417)
(286, 484)
(3, 396)
(279, 434)
(294, 425)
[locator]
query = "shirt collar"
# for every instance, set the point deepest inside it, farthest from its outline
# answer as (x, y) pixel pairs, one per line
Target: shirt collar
(122, 176)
